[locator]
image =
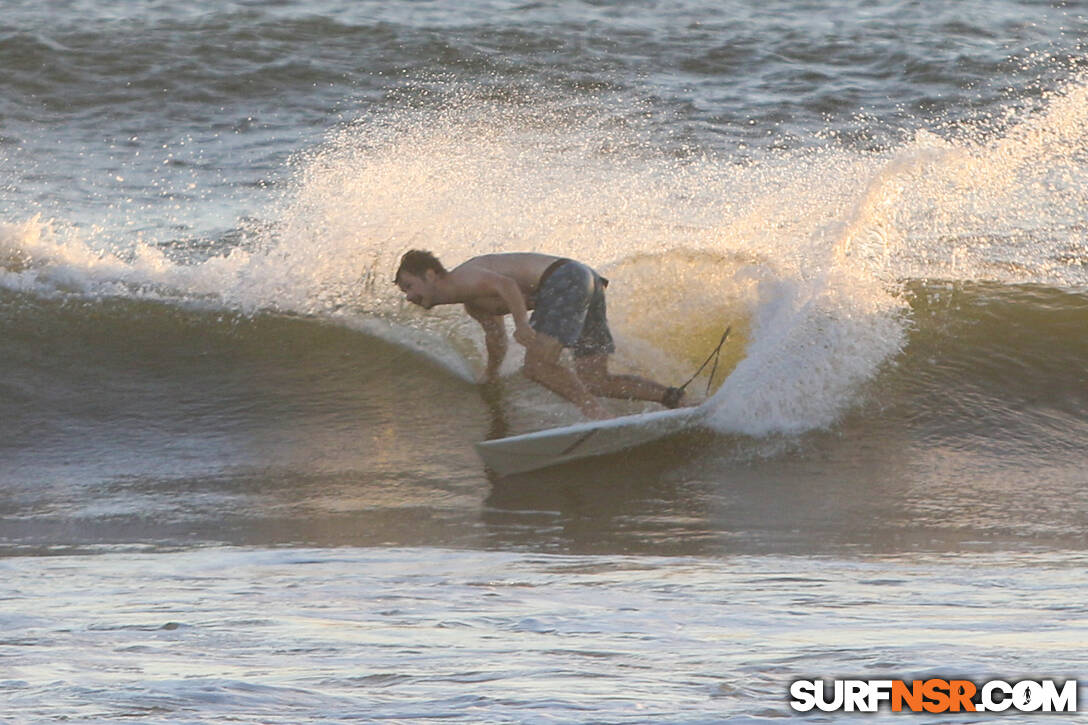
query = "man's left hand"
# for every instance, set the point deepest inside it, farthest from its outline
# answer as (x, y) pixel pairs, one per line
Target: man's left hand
(525, 335)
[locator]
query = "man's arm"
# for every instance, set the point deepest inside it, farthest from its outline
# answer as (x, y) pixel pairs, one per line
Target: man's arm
(507, 288)
(494, 341)
(469, 283)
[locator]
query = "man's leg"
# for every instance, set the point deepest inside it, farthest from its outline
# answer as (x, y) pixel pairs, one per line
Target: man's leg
(593, 371)
(591, 361)
(542, 366)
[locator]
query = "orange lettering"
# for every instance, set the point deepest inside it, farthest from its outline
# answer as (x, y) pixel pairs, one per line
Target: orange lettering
(912, 695)
(961, 692)
(936, 691)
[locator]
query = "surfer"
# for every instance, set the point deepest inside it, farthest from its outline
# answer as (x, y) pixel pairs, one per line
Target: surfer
(568, 310)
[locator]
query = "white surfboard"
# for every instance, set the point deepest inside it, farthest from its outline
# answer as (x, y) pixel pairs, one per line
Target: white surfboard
(530, 451)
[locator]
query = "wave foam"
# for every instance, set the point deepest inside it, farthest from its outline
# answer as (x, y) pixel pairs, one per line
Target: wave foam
(805, 250)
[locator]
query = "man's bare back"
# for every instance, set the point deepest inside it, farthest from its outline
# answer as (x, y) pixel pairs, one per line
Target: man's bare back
(494, 285)
(525, 268)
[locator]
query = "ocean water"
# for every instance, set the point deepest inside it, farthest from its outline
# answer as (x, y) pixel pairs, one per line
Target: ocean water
(237, 478)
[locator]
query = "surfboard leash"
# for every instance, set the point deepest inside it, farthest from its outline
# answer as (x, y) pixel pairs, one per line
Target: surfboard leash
(715, 356)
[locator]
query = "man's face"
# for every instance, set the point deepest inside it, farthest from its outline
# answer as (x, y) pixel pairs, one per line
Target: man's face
(418, 290)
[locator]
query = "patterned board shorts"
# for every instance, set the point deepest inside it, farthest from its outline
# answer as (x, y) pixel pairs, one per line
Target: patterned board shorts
(570, 307)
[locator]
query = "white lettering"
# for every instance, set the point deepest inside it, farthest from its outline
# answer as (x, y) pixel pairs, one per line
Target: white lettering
(856, 695)
(1063, 701)
(804, 695)
(836, 702)
(994, 696)
(989, 704)
(880, 691)
(1027, 696)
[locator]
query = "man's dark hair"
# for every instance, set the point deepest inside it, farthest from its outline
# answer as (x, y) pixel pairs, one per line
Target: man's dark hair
(416, 262)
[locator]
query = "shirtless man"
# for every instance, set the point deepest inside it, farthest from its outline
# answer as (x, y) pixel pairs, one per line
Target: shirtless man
(567, 299)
